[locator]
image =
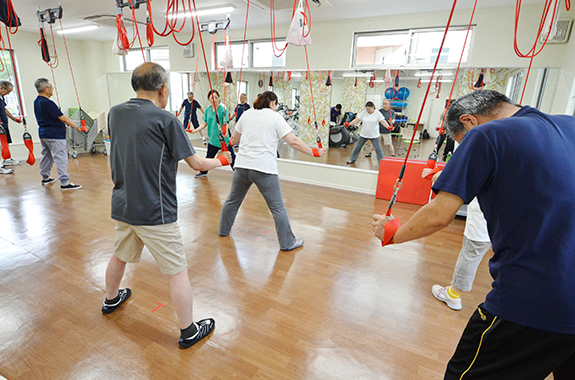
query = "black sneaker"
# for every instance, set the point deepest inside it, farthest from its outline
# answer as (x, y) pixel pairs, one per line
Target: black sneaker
(205, 328)
(70, 186)
(111, 305)
(48, 181)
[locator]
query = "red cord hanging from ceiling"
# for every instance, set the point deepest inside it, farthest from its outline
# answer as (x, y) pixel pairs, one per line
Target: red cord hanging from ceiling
(399, 180)
(171, 25)
(533, 52)
(273, 27)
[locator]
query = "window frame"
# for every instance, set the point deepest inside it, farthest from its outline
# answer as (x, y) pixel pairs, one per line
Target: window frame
(123, 64)
(13, 76)
(410, 47)
(250, 51)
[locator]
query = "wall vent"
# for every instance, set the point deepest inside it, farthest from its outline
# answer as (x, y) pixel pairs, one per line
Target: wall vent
(563, 31)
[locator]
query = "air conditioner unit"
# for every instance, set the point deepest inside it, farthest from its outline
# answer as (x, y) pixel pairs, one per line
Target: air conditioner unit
(563, 31)
(188, 51)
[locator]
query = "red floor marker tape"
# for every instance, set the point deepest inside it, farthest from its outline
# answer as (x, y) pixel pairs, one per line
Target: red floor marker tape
(159, 306)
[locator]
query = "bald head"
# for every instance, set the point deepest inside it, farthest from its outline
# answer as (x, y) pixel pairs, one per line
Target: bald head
(149, 76)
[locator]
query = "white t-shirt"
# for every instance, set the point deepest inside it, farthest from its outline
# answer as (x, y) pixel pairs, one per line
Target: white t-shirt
(476, 225)
(370, 129)
(261, 131)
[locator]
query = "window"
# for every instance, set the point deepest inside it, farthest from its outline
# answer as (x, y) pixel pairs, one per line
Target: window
(259, 54)
(243, 88)
(12, 103)
(264, 56)
(409, 47)
(381, 49)
(134, 58)
(425, 46)
(236, 54)
(179, 87)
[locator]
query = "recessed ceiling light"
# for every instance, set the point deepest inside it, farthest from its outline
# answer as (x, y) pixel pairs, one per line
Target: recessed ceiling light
(204, 12)
(78, 30)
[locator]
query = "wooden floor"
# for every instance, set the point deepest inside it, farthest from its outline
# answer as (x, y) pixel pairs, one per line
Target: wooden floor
(342, 307)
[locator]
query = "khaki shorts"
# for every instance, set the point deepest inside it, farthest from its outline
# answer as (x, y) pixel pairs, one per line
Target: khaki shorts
(386, 138)
(164, 242)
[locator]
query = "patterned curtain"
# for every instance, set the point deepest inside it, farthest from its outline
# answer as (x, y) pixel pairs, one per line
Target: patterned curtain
(494, 79)
(322, 100)
(228, 92)
(354, 96)
(282, 88)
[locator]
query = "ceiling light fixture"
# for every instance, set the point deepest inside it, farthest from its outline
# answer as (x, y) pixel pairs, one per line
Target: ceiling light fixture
(78, 30)
(442, 81)
(204, 12)
(424, 74)
(357, 75)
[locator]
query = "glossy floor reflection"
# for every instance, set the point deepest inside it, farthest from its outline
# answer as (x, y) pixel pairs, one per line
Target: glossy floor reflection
(340, 308)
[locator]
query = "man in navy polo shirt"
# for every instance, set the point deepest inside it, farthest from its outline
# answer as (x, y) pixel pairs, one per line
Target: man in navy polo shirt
(240, 108)
(52, 131)
(519, 162)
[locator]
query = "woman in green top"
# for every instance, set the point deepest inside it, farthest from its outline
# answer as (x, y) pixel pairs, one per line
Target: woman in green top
(210, 121)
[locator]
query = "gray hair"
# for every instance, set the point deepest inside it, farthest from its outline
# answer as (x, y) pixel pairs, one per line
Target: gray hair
(149, 76)
(6, 84)
(40, 83)
(482, 102)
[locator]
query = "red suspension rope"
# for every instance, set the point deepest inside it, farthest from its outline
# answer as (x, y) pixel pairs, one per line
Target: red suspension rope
(533, 52)
(399, 180)
(223, 144)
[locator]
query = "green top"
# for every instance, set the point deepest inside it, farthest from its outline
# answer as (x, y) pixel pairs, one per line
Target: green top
(210, 118)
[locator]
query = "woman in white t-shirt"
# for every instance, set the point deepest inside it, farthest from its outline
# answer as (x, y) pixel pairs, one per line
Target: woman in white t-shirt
(260, 130)
(370, 131)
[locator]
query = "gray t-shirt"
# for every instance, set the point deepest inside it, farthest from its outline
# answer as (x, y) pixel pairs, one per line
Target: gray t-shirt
(146, 145)
(389, 115)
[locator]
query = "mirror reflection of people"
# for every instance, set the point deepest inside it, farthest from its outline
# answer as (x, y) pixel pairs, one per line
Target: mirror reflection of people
(211, 123)
(371, 118)
(144, 201)
(525, 328)
(240, 108)
(384, 132)
(259, 131)
(5, 88)
(191, 107)
(336, 114)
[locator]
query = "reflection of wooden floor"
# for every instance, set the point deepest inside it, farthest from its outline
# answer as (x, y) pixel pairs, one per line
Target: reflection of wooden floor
(342, 307)
(339, 156)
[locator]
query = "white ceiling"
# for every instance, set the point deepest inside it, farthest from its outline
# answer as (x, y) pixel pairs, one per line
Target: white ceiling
(76, 10)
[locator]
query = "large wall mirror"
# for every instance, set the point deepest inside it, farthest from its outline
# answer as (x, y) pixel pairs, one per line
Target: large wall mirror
(404, 88)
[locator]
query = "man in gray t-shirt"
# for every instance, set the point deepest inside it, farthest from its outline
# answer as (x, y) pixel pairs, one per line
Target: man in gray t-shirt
(389, 115)
(146, 144)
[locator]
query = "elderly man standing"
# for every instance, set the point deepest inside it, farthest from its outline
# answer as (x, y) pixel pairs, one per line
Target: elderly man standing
(5, 88)
(147, 143)
(525, 329)
(52, 130)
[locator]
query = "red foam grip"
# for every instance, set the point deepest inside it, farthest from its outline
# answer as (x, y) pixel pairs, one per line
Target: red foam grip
(390, 230)
(315, 152)
(5, 150)
(28, 142)
(223, 160)
(432, 173)
(431, 163)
